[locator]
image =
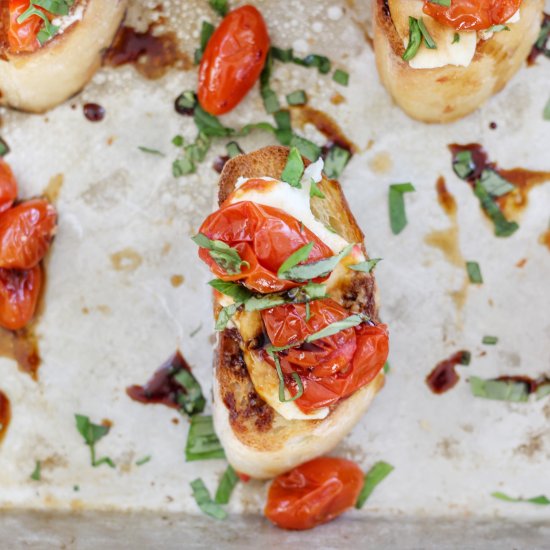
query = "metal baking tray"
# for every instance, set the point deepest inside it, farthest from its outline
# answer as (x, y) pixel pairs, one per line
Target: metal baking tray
(114, 311)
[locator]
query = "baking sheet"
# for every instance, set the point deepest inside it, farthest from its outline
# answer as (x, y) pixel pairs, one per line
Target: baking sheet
(112, 314)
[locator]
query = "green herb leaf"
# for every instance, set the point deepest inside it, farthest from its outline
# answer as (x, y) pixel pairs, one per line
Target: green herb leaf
(272, 351)
(294, 168)
(545, 113)
(36, 474)
(191, 401)
(398, 216)
(540, 500)
(463, 164)
(489, 340)
(499, 390)
(373, 477)
(233, 149)
(238, 292)
(224, 255)
(320, 62)
(314, 190)
(285, 56)
(474, 273)
(428, 40)
(207, 30)
(264, 301)
(221, 7)
(465, 358)
(366, 267)
(495, 184)
(143, 460)
(307, 272)
(182, 167)
(186, 101)
(209, 125)
(299, 97)
(227, 483)
(336, 161)
(497, 28)
(415, 39)
(307, 148)
(456, 38)
(151, 151)
(446, 3)
(92, 433)
(178, 141)
(57, 7)
(4, 148)
(205, 502)
(202, 441)
(386, 367)
(338, 326)
(301, 255)
(341, 77)
(503, 227)
(225, 316)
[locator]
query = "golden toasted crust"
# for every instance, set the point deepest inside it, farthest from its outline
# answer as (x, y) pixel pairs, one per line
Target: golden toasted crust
(449, 93)
(258, 441)
(40, 80)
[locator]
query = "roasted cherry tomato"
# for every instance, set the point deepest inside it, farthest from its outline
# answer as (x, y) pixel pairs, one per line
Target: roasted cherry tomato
(22, 37)
(330, 368)
(472, 15)
(19, 293)
(313, 493)
(233, 60)
(26, 231)
(264, 237)
(8, 186)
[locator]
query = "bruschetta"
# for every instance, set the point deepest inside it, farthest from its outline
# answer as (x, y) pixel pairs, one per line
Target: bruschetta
(441, 62)
(49, 56)
(301, 349)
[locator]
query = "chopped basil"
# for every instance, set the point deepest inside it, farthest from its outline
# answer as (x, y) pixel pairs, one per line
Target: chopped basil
(294, 168)
(273, 353)
(300, 255)
(497, 28)
(314, 190)
(238, 292)
(474, 273)
(264, 301)
(182, 167)
(207, 29)
(204, 500)
(386, 367)
(456, 38)
(37, 472)
(144, 460)
(465, 358)
(233, 149)
(320, 62)
(226, 257)
(306, 272)
(366, 266)
(299, 97)
(415, 39)
(545, 113)
(336, 161)
(282, 119)
(4, 148)
(494, 183)
(373, 477)
(446, 3)
(227, 483)
(221, 7)
(186, 102)
(543, 390)
(398, 216)
(489, 340)
(428, 40)
(463, 164)
(48, 31)
(202, 441)
(306, 293)
(151, 151)
(307, 148)
(92, 433)
(337, 326)
(499, 390)
(269, 97)
(503, 227)
(540, 500)
(225, 316)
(341, 77)
(57, 7)
(209, 125)
(282, 55)
(178, 141)
(192, 400)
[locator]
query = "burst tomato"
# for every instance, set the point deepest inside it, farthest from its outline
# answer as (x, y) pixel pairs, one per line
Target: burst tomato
(313, 493)
(475, 15)
(8, 186)
(264, 237)
(233, 60)
(22, 37)
(26, 232)
(330, 368)
(19, 293)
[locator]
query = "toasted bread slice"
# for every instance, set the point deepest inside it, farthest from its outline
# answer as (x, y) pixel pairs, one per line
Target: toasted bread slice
(40, 80)
(258, 441)
(451, 92)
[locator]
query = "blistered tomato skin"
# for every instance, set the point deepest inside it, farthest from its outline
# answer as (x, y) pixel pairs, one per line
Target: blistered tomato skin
(19, 293)
(233, 60)
(264, 237)
(313, 493)
(472, 15)
(26, 232)
(8, 186)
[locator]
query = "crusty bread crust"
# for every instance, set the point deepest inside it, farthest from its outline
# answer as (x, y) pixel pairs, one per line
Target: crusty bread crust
(449, 93)
(258, 441)
(40, 80)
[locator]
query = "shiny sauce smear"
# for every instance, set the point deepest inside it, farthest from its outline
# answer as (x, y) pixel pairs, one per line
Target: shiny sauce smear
(444, 376)
(5, 415)
(22, 347)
